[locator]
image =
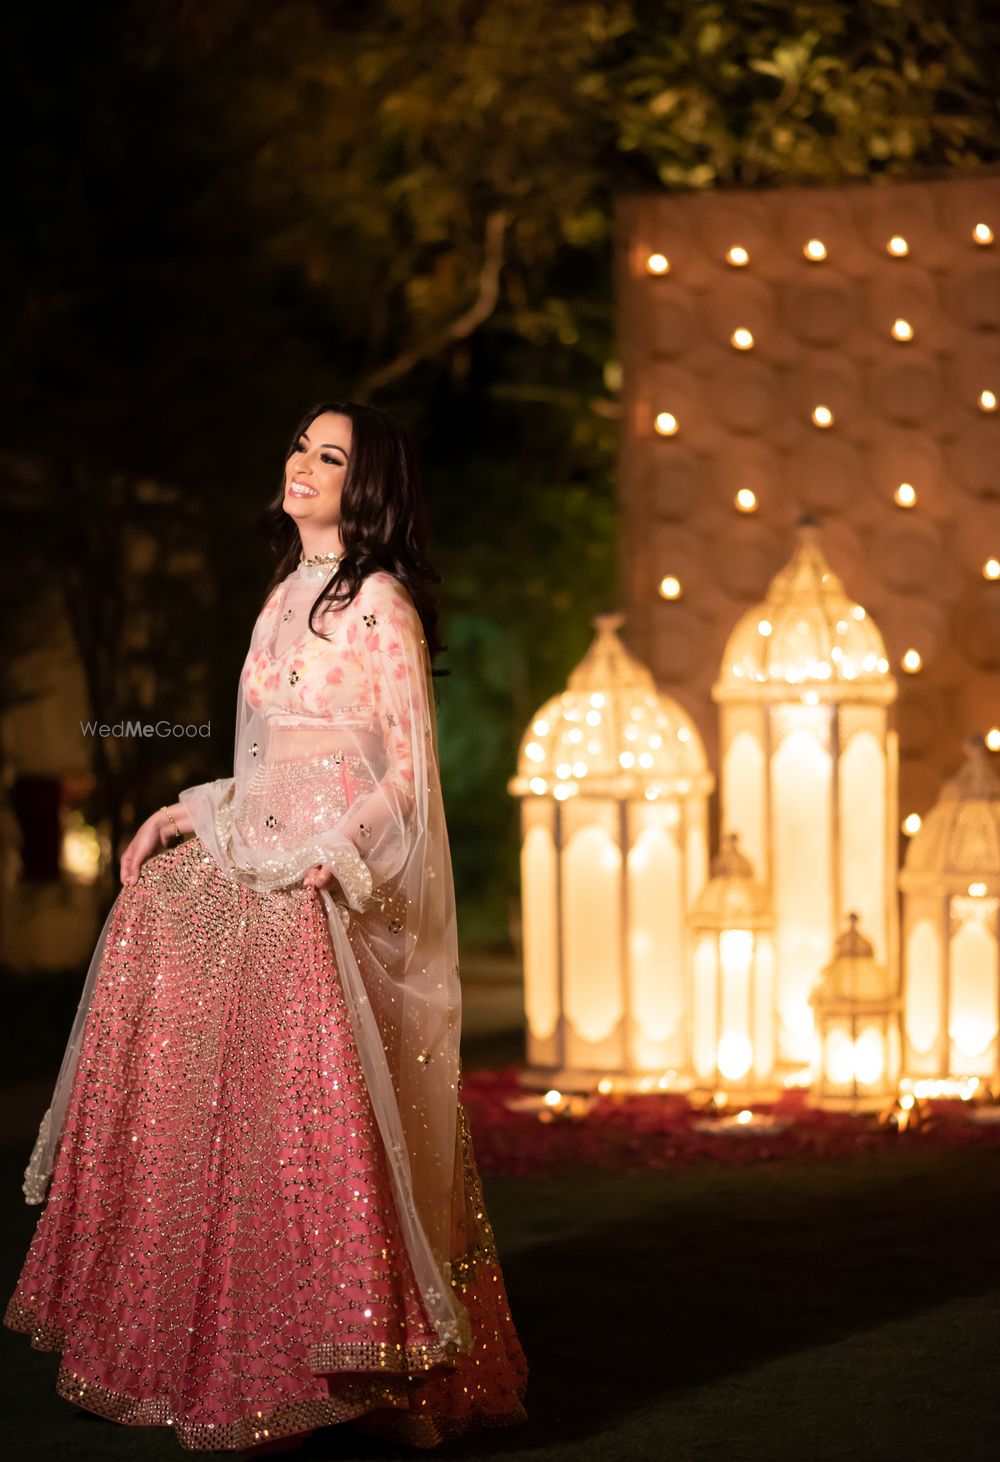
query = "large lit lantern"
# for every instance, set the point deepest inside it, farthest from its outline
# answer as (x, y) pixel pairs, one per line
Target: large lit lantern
(732, 978)
(951, 941)
(808, 774)
(857, 1013)
(613, 782)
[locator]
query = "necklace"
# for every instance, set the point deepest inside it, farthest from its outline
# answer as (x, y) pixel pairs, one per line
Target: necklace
(318, 558)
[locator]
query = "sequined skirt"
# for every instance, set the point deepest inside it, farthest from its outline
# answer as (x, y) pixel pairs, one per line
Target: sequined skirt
(219, 1251)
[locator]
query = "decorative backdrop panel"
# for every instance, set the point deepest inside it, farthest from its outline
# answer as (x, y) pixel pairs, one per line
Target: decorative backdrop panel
(824, 351)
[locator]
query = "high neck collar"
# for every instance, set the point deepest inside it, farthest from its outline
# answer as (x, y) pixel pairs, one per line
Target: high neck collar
(314, 572)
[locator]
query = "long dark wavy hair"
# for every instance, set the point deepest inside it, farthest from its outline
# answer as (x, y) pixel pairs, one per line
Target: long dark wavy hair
(383, 518)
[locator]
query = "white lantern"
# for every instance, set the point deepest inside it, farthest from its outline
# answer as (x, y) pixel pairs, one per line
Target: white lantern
(951, 940)
(732, 979)
(808, 774)
(857, 1011)
(613, 783)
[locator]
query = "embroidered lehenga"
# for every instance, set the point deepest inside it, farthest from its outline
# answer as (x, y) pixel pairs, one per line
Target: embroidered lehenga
(262, 1208)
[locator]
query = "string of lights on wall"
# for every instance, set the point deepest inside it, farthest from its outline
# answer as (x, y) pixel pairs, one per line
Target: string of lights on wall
(905, 495)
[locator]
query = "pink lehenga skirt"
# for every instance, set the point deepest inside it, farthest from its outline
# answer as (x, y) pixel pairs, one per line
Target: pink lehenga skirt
(219, 1250)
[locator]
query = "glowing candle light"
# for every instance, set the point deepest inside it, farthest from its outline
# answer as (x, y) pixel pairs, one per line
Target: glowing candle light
(993, 738)
(737, 256)
(670, 587)
(991, 568)
(658, 264)
(857, 1017)
(897, 247)
(822, 416)
(814, 250)
(793, 790)
(604, 867)
(911, 661)
(987, 401)
(746, 500)
(911, 823)
(982, 233)
(666, 424)
(742, 339)
(905, 495)
(902, 330)
(950, 947)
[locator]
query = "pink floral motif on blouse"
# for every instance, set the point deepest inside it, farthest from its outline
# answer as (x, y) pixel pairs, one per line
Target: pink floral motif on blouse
(369, 659)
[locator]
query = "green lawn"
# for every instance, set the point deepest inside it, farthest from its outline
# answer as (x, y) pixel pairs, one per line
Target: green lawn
(816, 1311)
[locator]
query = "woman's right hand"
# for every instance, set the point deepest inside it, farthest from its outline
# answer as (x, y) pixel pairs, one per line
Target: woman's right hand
(151, 837)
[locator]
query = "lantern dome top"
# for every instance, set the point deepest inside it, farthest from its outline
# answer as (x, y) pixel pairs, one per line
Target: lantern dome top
(611, 732)
(854, 976)
(808, 636)
(732, 898)
(957, 849)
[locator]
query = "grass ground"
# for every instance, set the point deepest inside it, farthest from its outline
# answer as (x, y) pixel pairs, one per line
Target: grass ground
(787, 1312)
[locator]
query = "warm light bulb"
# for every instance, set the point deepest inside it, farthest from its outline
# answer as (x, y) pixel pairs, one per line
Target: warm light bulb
(987, 401)
(764, 627)
(666, 424)
(746, 500)
(977, 890)
(815, 250)
(822, 416)
(911, 823)
(912, 661)
(605, 1085)
(553, 1098)
(902, 330)
(993, 738)
(737, 256)
(897, 247)
(982, 233)
(742, 339)
(905, 495)
(991, 568)
(744, 1117)
(658, 264)
(670, 587)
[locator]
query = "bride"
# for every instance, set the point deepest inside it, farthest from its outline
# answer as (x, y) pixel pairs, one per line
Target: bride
(262, 1209)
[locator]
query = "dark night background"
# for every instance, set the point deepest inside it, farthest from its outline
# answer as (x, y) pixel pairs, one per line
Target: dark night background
(222, 212)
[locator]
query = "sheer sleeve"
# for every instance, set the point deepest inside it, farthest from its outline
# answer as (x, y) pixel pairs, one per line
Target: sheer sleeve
(385, 825)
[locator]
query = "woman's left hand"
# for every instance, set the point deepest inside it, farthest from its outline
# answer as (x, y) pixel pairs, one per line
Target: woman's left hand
(318, 876)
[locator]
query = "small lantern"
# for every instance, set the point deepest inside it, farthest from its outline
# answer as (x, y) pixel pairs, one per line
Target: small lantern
(951, 940)
(733, 1024)
(808, 773)
(857, 1015)
(614, 785)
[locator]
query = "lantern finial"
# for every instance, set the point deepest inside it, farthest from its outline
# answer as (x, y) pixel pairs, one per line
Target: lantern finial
(730, 862)
(976, 777)
(852, 944)
(608, 622)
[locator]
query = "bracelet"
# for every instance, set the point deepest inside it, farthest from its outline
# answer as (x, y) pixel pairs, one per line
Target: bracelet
(176, 836)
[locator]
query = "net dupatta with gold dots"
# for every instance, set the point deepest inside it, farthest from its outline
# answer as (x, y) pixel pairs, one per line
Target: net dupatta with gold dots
(336, 762)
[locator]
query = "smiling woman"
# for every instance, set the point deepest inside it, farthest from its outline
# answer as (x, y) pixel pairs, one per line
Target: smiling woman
(264, 1213)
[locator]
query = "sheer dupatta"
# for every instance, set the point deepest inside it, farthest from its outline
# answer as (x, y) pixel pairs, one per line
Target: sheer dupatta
(336, 762)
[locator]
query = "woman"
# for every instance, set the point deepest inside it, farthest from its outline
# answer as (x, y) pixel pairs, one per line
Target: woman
(263, 1211)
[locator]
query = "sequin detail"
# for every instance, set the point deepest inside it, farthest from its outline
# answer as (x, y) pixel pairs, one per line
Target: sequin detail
(287, 804)
(220, 1251)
